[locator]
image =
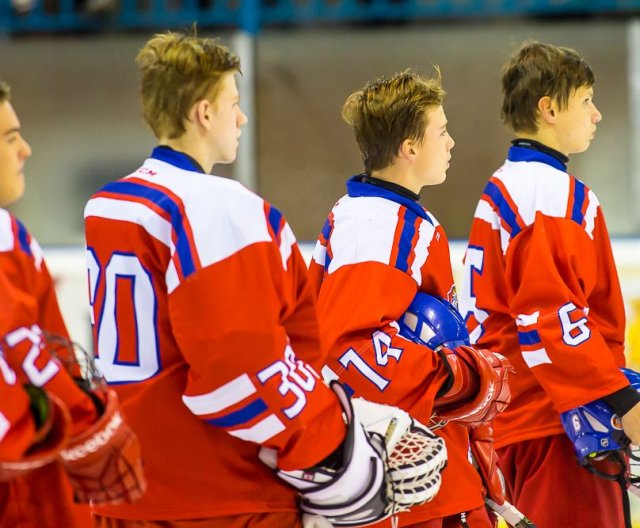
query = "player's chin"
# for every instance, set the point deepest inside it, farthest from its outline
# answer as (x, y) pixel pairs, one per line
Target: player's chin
(582, 148)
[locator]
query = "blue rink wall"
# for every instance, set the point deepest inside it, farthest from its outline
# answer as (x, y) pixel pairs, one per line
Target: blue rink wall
(67, 265)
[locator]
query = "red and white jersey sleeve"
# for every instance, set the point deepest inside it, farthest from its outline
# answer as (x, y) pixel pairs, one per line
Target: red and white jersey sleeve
(17, 427)
(206, 325)
(29, 308)
(541, 288)
(375, 252)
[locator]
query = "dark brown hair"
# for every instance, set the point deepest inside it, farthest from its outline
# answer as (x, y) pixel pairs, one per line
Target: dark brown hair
(537, 70)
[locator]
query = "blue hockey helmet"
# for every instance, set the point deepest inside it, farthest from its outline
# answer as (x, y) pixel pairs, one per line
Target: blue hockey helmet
(433, 322)
(594, 429)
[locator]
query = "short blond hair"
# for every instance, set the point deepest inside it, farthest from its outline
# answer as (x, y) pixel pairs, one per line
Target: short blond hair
(387, 111)
(5, 92)
(177, 71)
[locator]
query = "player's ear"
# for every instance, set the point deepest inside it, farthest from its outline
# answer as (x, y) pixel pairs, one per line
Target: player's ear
(407, 149)
(547, 109)
(201, 113)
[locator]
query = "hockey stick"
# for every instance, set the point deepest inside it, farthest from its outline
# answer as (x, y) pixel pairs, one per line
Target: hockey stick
(510, 514)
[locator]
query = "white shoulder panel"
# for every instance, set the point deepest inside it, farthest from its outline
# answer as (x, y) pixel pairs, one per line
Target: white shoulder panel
(363, 231)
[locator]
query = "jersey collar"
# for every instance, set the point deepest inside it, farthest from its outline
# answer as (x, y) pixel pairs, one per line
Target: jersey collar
(356, 188)
(177, 159)
(529, 150)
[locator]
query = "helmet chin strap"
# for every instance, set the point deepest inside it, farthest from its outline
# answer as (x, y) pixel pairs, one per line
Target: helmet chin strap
(621, 477)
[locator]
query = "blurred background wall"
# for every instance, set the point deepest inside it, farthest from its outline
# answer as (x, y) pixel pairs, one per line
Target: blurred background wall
(78, 101)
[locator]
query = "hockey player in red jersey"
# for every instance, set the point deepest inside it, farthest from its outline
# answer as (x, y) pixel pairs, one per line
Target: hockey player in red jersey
(378, 248)
(541, 288)
(206, 326)
(34, 493)
(31, 421)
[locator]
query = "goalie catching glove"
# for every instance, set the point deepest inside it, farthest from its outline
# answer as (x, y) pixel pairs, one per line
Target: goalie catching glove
(477, 388)
(387, 463)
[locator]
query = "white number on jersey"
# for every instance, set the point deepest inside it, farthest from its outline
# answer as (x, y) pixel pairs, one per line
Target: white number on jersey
(122, 269)
(573, 332)
(33, 336)
(296, 377)
(383, 351)
(473, 316)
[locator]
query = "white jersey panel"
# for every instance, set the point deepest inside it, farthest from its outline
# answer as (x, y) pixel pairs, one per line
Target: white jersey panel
(363, 231)
(7, 240)
(212, 205)
(536, 187)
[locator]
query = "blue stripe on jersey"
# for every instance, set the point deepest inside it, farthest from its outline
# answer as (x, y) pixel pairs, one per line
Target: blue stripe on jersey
(167, 204)
(406, 237)
(23, 238)
(530, 154)
(327, 261)
(505, 211)
(529, 338)
(275, 218)
(326, 229)
(579, 197)
(241, 416)
(356, 188)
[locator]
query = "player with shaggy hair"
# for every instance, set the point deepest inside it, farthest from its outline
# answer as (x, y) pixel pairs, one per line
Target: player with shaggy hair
(379, 247)
(541, 287)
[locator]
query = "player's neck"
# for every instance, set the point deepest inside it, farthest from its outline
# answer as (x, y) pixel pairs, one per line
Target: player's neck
(546, 136)
(193, 149)
(398, 175)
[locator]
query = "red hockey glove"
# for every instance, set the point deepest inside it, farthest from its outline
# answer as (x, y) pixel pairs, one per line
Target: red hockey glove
(103, 462)
(496, 495)
(53, 427)
(480, 388)
(486, 459)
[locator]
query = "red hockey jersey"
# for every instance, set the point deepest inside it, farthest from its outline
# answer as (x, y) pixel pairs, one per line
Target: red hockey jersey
(541, 288)
(17, 428)
(375, 252)
(206, 326)
(28, 309)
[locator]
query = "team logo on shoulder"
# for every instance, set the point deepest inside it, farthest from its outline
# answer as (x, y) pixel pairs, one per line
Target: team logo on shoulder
(452, 296)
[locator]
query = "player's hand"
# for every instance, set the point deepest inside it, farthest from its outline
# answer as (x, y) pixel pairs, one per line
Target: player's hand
(486, 459)
(104, 463)
(387, 463)
(631, 424)
(488, 372)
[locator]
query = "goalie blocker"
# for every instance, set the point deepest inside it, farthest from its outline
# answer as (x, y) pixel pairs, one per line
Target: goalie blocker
(387, 463)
